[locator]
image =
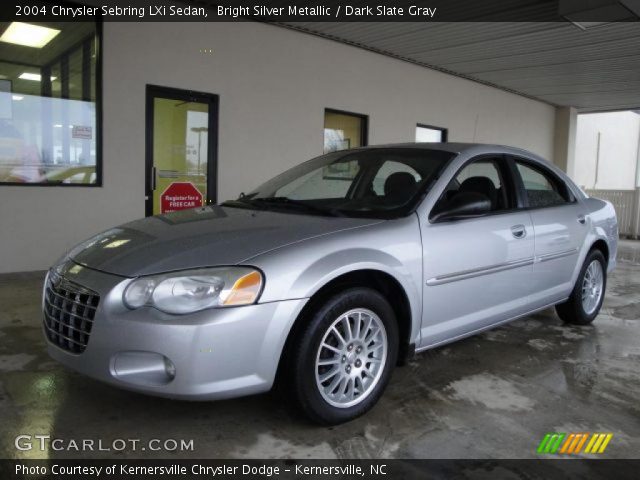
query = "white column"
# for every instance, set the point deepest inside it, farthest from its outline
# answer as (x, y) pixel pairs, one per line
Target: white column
(565, 139)
(635, 221)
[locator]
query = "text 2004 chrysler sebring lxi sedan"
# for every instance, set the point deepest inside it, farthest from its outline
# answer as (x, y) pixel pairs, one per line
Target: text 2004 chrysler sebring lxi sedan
(329, 274)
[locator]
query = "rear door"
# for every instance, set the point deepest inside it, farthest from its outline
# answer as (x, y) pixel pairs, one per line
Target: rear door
(560, 225)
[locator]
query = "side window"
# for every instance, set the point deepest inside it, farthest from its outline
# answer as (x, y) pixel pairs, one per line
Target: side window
(381, 182)
(481, 176)
(542, 188)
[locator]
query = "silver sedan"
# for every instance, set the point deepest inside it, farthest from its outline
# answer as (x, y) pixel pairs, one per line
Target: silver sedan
(327, 276)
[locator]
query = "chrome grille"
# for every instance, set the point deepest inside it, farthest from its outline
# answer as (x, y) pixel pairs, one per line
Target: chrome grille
(69, 311)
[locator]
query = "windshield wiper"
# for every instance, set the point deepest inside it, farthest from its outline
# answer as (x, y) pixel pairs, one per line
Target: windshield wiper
(286, 201)
(242, 203)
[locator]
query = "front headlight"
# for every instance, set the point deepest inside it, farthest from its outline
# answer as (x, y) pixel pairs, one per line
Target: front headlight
(194, 290)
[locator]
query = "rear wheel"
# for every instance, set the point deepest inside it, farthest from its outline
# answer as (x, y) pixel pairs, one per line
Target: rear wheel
(587, 296)
(344, 357)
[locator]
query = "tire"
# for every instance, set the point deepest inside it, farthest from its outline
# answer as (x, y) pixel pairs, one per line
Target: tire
(576, 311)
(311, 367)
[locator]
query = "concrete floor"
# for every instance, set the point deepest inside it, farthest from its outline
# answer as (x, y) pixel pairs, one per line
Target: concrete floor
(491, 396)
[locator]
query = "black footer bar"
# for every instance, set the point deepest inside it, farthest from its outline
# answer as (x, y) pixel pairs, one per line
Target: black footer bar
(67, 469)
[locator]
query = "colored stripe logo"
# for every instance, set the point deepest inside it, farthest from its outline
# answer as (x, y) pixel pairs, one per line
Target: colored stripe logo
(574, 443)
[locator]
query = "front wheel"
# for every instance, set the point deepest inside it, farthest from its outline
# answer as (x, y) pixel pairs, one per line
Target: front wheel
(344, 357)
(587, 296)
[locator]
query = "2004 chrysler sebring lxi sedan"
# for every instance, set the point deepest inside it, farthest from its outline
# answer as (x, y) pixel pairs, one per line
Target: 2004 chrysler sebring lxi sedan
(330, 274)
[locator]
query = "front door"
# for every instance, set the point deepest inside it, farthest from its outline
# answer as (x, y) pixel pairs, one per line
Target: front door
(477, 270)
(181, 149)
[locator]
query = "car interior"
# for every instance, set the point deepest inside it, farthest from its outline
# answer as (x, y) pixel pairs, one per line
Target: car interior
(483, 177)
(375, 181)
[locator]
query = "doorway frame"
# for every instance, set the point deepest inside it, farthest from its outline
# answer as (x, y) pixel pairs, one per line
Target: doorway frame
(156, 91)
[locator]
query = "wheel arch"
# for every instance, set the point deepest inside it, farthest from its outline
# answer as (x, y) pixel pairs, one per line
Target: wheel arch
(378, 280)
(601, 245)
(594, 241)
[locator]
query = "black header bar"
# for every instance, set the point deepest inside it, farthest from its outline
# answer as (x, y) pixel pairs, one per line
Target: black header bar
(597, 11)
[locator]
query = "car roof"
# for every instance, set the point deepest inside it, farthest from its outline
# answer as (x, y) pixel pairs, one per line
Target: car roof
(455, 147)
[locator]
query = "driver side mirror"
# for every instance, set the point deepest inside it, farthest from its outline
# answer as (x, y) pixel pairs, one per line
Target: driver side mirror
(461, 205)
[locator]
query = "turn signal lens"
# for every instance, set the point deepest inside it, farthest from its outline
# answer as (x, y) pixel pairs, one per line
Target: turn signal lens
(245, 290)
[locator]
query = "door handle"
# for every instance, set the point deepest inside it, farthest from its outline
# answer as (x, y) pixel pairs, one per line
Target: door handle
(519, 231)
(153, 179)
(582, 219)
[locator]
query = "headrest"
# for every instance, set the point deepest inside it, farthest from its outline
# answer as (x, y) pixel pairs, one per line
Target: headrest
(399, 183)
(483, 185)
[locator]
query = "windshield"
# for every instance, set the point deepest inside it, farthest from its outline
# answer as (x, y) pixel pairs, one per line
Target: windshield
(381, 182)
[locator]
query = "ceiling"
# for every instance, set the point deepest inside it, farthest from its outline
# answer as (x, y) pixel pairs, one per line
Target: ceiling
(70, 35)
(597, 69)
(17, 59)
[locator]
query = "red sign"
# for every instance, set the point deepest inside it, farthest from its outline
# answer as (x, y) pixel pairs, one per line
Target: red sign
(180, 196)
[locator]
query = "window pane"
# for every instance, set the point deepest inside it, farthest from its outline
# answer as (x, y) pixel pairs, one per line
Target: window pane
(75, 74)
(48, 117)
(180, 140)
(486, 169)
(541, 189)
(330, 181)
(381, 185)
(426, 134)
(483, 177)
(342, 131)
(56, 80)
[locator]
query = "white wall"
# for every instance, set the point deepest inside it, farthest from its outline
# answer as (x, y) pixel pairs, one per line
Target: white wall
(274, 85)
(619, 136)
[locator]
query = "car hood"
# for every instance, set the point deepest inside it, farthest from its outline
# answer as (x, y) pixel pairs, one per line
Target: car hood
(201, 237)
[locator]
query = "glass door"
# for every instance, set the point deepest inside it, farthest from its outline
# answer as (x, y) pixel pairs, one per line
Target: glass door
(181, 149)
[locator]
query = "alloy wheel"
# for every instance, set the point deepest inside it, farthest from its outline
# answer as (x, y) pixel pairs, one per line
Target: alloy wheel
(351, 358)
(592, 284)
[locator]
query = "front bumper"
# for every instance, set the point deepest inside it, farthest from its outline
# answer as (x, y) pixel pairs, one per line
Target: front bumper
(217, 353)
